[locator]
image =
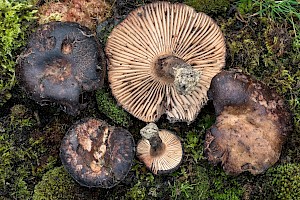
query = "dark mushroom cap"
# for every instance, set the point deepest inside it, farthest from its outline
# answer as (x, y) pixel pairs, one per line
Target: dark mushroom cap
(251, 126)
(167, 159)
(61, 61)
(96, 154)
(145, 48)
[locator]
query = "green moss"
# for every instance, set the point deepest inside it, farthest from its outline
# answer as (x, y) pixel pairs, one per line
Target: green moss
(23, 154)
(191, 183)
(17, 153)
(108, 106)
(14, 18)
(245, 6)
(145, 185)
(193, 146)
(223, 187)
(104, 29)
(209, 6)
(55, 184)
(283, 182)
(136, 192)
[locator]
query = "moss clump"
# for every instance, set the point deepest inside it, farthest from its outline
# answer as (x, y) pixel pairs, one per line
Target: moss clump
(277, 39)
(24, 155)
(136, 192)
(144, 185)
(245, 6)
(209, 6)
(18, 155)
(108, 106)
(104, 29)
(283, 182)
(55, 184)
(191, 183)
(223, 187)
(87, 13)
(15, 19)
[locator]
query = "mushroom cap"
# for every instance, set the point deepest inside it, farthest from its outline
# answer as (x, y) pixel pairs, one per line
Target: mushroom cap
(60, 62)
(168, 159)
(96, 154)
(251, 126)
(147, 44)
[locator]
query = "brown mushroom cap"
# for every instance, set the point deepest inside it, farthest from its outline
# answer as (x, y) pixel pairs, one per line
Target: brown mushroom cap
(96, 154)
(166, 159)
(145, 48)
(251, 126)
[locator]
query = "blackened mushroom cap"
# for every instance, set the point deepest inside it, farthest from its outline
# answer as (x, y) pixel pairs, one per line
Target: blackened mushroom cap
(96, 154)
(165, 159)
(251, 126)
(60, 62)
(150, 51)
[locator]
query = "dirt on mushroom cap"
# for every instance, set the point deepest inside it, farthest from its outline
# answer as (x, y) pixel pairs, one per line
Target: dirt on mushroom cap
(96, 154)
(250, 130)
(62, 60)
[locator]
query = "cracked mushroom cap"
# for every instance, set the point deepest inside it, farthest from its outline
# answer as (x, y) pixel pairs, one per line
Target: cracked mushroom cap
(96, 154)
(60, 62)
(164, 160)
(251, 126)
(162, 58)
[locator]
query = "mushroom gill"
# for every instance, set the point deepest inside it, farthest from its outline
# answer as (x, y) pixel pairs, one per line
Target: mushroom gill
(162, 58)
(160, 150)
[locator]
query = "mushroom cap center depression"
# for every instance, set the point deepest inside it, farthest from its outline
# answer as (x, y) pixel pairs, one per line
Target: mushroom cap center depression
(58, 70)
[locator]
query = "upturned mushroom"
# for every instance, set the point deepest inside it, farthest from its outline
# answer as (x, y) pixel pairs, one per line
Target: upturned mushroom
(96, 154)
(160, 150)
(162, 58)
(62, 61)
(251, 126)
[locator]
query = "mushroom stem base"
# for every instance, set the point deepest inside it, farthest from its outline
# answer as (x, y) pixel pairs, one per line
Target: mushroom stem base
(173, 70)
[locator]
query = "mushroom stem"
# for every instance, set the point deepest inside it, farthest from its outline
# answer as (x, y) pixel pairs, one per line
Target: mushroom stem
(156, 143)
(150, 133)
(172, 69)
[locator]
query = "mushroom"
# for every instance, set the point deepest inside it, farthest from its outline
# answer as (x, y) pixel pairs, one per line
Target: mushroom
(162, 58)
(96, 154)
(251, 126)
(61, 61)
(160, 150)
